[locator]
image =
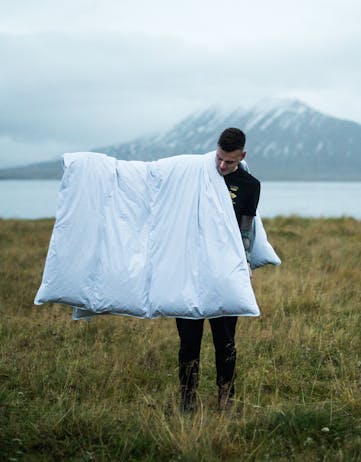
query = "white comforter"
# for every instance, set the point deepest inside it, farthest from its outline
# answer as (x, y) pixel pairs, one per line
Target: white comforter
(148, 239)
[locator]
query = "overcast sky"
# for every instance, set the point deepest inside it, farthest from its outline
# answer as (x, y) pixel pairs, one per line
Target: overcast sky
(82, 74)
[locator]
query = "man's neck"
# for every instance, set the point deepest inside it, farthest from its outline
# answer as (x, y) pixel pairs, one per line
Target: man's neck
(235, 169)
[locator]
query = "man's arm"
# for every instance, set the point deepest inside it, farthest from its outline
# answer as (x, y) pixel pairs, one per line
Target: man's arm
(247, 233)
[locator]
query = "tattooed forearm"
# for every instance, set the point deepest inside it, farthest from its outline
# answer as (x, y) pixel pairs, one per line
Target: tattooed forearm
(247, 232)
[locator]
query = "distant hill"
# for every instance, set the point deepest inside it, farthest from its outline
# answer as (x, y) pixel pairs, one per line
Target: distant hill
(286, 140)
(41, 171)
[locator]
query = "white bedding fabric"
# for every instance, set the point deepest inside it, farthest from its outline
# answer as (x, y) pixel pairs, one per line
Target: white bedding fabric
(147, 239)
(262, 251)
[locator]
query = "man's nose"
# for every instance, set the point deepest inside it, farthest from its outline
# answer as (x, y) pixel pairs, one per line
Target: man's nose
(223, 165)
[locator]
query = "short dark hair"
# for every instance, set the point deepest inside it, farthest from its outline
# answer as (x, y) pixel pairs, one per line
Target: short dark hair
(232, 139)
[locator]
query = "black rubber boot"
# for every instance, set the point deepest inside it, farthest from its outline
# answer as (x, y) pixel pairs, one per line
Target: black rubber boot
(225, 397)
(189, 377)
(188, 403)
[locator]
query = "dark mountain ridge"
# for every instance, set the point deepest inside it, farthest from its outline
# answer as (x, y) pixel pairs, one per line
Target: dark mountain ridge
(286, 140)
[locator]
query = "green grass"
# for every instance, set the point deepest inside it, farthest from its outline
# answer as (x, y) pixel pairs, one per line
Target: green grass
(108, 389)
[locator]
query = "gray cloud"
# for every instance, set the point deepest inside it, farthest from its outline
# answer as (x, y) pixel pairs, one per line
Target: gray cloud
(84, 76)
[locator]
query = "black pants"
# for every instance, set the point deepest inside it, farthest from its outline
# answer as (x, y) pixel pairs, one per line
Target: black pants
(190, 333)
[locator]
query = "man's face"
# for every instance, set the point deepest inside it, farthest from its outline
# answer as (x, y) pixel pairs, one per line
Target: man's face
(227, 162)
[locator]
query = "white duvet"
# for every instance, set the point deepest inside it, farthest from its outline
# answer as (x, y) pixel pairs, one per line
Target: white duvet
(149, 239)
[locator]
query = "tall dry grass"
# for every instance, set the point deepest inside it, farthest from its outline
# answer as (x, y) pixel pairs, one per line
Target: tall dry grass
(108, 390)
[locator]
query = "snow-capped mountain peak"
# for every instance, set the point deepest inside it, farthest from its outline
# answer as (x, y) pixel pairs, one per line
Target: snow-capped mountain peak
(286, 140)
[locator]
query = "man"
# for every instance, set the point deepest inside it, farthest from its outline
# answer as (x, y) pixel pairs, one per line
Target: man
(244, 190)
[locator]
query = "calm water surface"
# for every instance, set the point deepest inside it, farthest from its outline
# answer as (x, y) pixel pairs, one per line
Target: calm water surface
(38, 198)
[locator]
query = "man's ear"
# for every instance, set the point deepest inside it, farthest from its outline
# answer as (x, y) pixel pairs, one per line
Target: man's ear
(243, 155)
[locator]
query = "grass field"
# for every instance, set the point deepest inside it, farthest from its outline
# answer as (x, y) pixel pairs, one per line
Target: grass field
(108, 389)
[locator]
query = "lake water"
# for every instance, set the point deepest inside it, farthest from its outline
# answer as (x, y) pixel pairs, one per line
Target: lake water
(38, 198)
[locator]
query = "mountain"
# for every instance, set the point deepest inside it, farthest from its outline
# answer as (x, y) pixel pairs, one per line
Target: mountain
(286, 140)
(40, 171)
